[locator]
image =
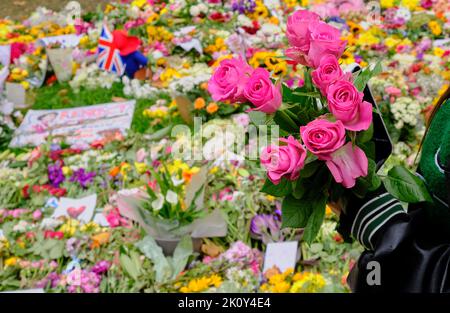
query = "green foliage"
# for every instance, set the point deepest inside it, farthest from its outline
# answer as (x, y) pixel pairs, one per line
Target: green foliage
(406, 186)
(166, 268)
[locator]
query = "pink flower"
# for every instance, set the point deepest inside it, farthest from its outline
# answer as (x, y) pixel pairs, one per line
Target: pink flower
(347, 164)
(323, 137)
(297, 30)
(284, 161)
(327, 72)
(325, 39)
(37, 214)
(229, 79)
(346, 103)
(262, 93)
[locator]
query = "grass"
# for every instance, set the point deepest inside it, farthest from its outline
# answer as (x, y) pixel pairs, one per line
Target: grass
(61, 96)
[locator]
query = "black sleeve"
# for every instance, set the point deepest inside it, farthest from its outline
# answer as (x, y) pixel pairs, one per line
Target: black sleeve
(401, 254)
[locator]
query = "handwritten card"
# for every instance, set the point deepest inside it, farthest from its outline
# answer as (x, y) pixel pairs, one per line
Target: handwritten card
(283, 255)
(81, 209)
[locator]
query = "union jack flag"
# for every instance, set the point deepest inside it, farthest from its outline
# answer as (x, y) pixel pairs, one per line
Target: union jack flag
(108, 56)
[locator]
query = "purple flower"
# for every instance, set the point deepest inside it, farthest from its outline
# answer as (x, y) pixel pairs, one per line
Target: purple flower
(101, 267)
(266, 227)
(243, 6)
(55, 174)
(82, 177)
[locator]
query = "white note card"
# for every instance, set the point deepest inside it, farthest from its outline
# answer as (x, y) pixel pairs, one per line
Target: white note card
(281, 254)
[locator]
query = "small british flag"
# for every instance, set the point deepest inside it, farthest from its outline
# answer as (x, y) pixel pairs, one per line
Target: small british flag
(108, 56)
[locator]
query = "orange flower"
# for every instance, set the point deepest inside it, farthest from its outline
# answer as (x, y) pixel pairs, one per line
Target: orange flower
(212, 108)
(99, 239)
(199, 103)
(114, 171)
(204, 85)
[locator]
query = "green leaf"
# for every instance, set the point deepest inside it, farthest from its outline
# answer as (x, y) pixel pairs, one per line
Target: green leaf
(129, 266)
(257, 117)
(299, 188)
(405, 186)
(366, 135)
(295, 212)
(315, 219)
(181, 255)
(309, 169)
(151, 250)
(364, 77)
(283, 188)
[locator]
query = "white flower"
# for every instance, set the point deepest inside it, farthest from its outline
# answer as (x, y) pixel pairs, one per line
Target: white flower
(157, 204)
(171, 197)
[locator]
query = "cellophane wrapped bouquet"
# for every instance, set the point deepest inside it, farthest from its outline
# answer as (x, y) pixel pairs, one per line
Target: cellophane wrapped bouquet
(326, 149)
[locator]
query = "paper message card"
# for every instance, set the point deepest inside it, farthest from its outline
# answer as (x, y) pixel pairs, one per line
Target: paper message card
(81, 209)
(281, 254)
(81, 125)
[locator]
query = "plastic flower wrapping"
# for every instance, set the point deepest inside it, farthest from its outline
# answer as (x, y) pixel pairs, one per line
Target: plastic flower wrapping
(186, 198)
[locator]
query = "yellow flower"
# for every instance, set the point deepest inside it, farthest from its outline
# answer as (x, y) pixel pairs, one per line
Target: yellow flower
(439, 52)
(367, 39)
(260, 11)
(124, 168)
(215, 280)
(66, 170)
(270, 197)
(275, 279)
(386, 4)
(25, 85)
(391, 42)
(90, 227)
(410, 4)
(309, 283)
(139, 3)
(282, 286)
(141, 167)
(214, 170)
(11, 261)
(435, 28)
(69, 227)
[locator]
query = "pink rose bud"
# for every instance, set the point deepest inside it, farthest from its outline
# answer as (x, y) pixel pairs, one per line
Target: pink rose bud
(284, 161)
(229, 79)
(347, 164)
(325, 39)
(262, 93)
(346, 103)
(323, 137)
(327, 72)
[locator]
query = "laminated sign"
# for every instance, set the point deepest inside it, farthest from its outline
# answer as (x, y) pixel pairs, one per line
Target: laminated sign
(77, 125)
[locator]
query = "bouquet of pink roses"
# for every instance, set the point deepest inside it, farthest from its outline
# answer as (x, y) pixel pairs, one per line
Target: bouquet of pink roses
(328, 148)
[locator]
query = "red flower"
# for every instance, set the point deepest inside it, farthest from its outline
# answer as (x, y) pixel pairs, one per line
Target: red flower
(252, 30)
(25, 191)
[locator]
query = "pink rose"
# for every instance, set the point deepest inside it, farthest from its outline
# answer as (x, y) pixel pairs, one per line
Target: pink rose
(262, 93)
(229, 79)
(297, 30)
(284, 161)
(325, 39)
(347, 164)
(323, 137)
(346, 103)
(327, 72)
